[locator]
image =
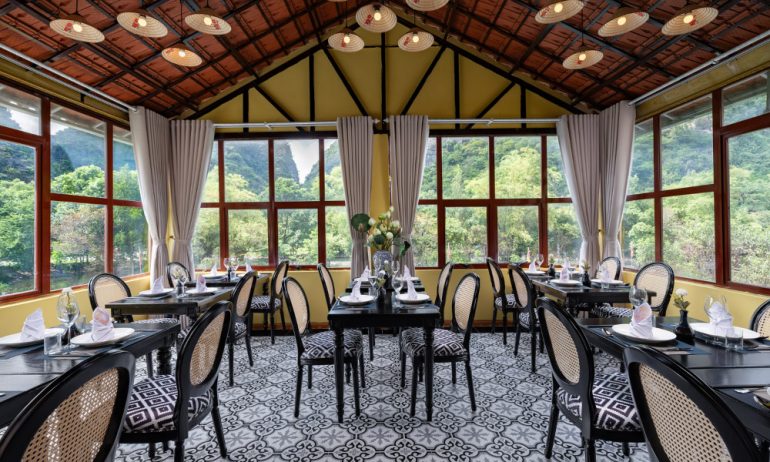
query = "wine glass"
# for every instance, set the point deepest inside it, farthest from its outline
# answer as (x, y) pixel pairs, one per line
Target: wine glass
(539, 259)
(233, 263)
(398, 281)
(67, 311)
(707, 302)
(81, 324)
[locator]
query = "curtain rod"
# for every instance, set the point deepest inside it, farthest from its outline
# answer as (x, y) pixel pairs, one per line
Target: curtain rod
(332, 123)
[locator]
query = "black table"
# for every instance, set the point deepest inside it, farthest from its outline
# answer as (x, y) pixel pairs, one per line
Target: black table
(721, 369)
(23, 376)
(574, 297)
(223, 282)
(388, 315)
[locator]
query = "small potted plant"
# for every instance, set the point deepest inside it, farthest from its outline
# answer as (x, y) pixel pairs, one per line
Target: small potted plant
(551, 262)
(683, 331)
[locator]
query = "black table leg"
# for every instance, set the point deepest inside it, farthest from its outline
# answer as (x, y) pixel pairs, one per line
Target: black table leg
(339, 369)
(428, 332)
(164, 360)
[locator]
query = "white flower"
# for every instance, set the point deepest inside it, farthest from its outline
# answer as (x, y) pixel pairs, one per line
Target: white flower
(681, 292)
(396, 224)
(377, 232)
(389, 235)
(391, 209)
(372, 222)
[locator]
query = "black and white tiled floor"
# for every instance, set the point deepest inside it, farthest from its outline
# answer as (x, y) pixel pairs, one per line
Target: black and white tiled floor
(509, 425)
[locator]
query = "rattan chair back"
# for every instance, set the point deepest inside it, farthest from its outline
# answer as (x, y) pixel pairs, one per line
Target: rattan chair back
(276, 282)
(444, 277)
(328, 285)
(658, 277)
(760, 320)
(464, 303)
(496, 278)
(174, 268)
(683, 419)
(613, 266)
(77, 417)
(243, 293)
(299, 310)
(523, 292)
(106, 288)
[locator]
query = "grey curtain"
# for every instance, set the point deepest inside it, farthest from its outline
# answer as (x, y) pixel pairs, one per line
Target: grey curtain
(355, 136)
(191, 142)
(152, 145)
(579, 137)
(408, 138)
(616, 145)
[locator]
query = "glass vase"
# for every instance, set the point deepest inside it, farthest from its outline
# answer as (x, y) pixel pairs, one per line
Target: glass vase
(683, 331)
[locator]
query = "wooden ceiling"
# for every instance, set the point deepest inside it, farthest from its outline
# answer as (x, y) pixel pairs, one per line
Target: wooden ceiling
(503, 32)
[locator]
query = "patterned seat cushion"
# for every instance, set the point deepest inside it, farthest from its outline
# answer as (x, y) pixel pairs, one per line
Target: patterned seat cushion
(240, 328)
(510, 299)
(445, 343)
(158, 321)
(608, 311)
(614, 404)
(151, 408)
(321, 345)
(524, 319)
(261, 303)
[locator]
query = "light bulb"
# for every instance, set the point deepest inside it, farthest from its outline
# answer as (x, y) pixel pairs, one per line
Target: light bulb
(207, 20)
(582, 57)
(688, 18)
(182, 53)
(415, 37)
(142, 21)
(622, 20)
(558, 7)
(346, 38)
(77, 27)
(377, 14)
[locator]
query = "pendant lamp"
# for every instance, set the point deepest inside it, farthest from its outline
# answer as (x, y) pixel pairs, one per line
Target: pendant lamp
(415, 40)
(74, 26)
(426, 5)
(692, 17)
(558, 11)
(624, 20)
(208, 21)
(140, 22)
(376, 18)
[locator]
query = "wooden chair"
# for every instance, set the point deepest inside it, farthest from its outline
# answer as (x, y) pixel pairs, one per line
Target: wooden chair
(167, 407)
(172, 269)
(442, 287)
(269, 304)
(683, 418)
(105, 288)
(315, 349)
(242, 318)
(505, 303)
(613, 266)
(657, 277)
(449, 346)
(601, 406)
(524, 294)
(77, 417)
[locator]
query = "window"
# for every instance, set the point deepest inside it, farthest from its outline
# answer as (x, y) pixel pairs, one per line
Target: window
(641, 179)
(638, 233)
(688, 235)
(77, 153)
(517, 167)
(686, 145)
(563, 232)
(746, 99)
(465, 168)
(518, 233)
(466, 234)
(19, 110)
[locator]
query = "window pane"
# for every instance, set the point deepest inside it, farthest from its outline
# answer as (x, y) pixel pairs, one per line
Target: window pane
(749, 209)
(686, 145)
(296, 170)
(246, 171)
(333, 189)
(248, 236)
(206, 239)
(17, 218)
(688, 235)
(517, 167)
(19, 110)
(211, 188)
(557, 182)
(466, 234)
(125, 178)
(77, 153)
(429, 174)
(642, 179)
(77, 243)
(746, 99)
(563, 232)
(298, 236)
(425, 236)
(338, 242)
(465, 168)
(638, 233)
(129, 241)
(517, 233)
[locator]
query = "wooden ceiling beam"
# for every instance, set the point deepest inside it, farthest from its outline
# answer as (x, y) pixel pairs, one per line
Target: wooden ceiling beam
(423, 79)
(345, 81)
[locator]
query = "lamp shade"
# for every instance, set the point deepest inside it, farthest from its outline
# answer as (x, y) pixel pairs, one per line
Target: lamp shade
(426, 5)
(558, 11)
(346, 41)
(415, 40)
(181, 55)
(692, 17)
(583, 59)
(75, 27)
(367, 17)
(624, 20)
(140, 22)
(208, 21)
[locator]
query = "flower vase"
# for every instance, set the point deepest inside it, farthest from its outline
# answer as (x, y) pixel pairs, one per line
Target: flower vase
(551, 271)
(683, 331)
(586, 279)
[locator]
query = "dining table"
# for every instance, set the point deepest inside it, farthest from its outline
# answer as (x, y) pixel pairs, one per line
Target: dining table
(384, 312)
(733, 374)
(25, 371)
(581, 298)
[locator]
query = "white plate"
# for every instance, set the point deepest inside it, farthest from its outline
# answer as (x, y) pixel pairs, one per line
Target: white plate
(85, 340)
(14, 340)
(411, 278)
(421, 298)
(708, 329)
(359, 279)
(151, 294)
(536, 272)
(658, 335)
(362, 300)
(214, 278)
(568, 282)
(207, 290)
(613, 282)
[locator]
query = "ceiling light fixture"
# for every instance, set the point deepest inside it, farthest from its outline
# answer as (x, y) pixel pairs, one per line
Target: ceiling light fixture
(415, 40)
(426, 5)
(558, 11)
(74, 26)
(584, 57)
(346, 40)
(180, 54)
(208, 21)
(376, 18)
(140, 22)
(693, 17)
(624, 20)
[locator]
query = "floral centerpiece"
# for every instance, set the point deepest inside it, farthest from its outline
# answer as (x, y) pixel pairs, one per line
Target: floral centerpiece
(680, 299)
(682, 330)
(384, 232)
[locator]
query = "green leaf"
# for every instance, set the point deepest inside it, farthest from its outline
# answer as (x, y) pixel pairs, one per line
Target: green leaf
(405, 245)
(360, 222)
(379, 239)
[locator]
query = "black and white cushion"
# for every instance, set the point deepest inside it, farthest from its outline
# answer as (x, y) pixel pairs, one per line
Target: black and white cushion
(239, 328)
(261, 303)
(321, 345)
(151, 408)
(445, 343)
(609, 311)
(158, 321)
(615, 408)
(524, 319)
(510, 298)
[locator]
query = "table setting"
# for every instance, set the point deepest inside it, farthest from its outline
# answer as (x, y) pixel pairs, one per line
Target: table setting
(156, 290)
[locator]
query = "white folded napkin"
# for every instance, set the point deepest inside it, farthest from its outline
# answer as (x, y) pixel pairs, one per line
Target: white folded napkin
(718, 315)
(34, 327)
(365, 274)
(641, 321)
(102, 325)
(213, 271)
(532, 267)
(248, 268)
(200, 284)
(355, 293)
(566, 264)
(157, 286)
(411, 293)
(604, 276)
(564, 274)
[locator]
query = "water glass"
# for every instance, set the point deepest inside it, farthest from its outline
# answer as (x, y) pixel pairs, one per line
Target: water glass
(52, 344)
(733, 338)
(82, 325)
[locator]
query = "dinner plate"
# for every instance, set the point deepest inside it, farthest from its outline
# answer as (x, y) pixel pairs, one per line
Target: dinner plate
(421, 298)
(207, 290)
(151, 294)
(214, 278)
(613, 282)
(708, 329)
(411, 278)
(14, 340)
(85, 340)
(361, 300)
(536, 272)
(568, 282)
(658, 335)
